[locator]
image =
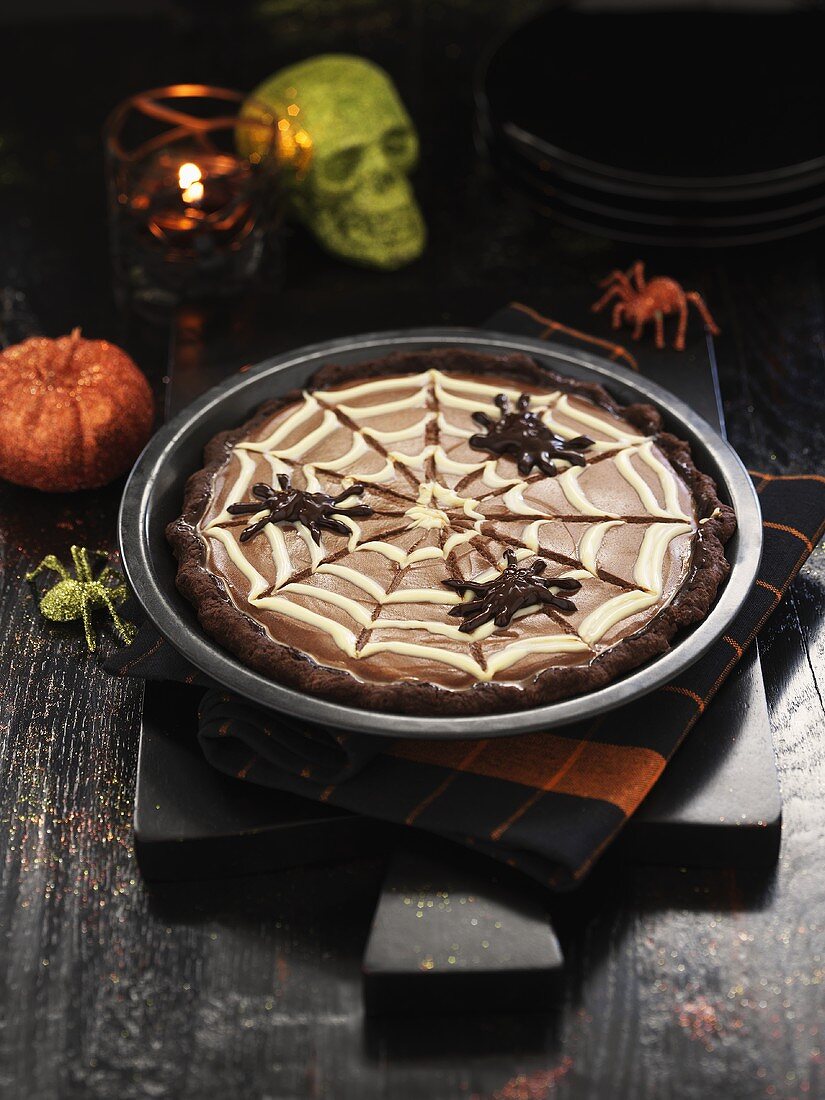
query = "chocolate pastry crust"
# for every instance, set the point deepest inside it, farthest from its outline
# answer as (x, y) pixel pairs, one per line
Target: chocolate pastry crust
(249, 641)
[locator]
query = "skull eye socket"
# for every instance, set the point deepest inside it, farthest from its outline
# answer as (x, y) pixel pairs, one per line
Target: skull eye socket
(399, 147)
(338, 168)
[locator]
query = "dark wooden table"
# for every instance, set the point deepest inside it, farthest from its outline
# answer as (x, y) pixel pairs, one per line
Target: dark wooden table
(680, 983)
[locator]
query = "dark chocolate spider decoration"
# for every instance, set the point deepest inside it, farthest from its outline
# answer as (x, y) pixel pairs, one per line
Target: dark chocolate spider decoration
(524, 435)
(509, 592)
(289, 505)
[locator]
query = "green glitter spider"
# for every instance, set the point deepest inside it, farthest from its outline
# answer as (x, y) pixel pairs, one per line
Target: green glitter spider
(76, 597)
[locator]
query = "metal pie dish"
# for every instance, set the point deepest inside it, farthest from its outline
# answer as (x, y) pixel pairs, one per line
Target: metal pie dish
(154, 495)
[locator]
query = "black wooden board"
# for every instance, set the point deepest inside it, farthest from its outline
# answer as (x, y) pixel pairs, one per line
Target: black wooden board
(193, 822)
(445, 929)
(717, 804)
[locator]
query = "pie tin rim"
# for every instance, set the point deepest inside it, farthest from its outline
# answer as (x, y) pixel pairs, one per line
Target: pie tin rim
(175, 452)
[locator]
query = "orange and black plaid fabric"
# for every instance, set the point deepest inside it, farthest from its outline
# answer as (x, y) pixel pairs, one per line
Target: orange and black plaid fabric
(548, 803)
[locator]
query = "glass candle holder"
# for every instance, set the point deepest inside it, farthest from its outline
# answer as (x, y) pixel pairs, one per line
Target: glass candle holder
(189, 214)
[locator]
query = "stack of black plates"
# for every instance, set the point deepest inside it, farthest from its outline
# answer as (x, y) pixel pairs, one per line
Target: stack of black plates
(663, 127)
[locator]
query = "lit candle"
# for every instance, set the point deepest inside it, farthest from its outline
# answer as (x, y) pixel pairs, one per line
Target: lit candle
(189, 181)
(207, 199)
(189, 212)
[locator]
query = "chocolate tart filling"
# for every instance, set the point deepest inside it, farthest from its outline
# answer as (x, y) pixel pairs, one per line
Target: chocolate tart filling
(449, 532)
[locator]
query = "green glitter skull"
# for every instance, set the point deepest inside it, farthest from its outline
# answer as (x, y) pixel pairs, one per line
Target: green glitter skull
(346, 145)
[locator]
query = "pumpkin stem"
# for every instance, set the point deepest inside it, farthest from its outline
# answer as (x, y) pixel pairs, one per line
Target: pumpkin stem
(74, 344)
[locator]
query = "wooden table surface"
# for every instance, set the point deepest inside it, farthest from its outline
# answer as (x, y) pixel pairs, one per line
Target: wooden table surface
(680, 983)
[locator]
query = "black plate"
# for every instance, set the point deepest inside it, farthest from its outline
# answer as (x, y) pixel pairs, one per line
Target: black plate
(708, 219)
(665, 99)
(540, 152)
(806, 198)
(660, 225)
(154, 493)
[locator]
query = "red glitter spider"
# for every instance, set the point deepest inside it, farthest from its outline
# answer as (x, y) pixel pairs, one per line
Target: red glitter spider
(641, 301)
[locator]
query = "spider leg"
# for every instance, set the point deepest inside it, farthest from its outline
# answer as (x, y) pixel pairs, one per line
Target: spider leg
(469, 625)
(637, 331)
(475, 614)
(617, 278)
(87, 623)
(618, 313)
(558, 602)
(546, 465)
(124, 630)
(679, 342)
(336, 525)
(637, 274)
(263, 491)
(82, 568)
(572, 457)
(568, 584)
(615, 291)
(248, 509)
(659, 319)
(469, 606)
(507, 614)
(53, 563)
(697, 299)
(315, 530)
(353, 491)
(256, 528)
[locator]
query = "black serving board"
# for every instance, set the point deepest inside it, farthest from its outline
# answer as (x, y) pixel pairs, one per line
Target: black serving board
(717, 803)
(193, 822)
(446, 928)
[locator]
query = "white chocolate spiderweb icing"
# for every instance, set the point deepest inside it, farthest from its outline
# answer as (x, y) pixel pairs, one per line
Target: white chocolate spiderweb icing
(373, 602)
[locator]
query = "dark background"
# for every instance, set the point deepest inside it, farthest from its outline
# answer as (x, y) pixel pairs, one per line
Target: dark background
(681, 983)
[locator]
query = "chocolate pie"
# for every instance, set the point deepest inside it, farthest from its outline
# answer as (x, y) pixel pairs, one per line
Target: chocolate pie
(448, 532)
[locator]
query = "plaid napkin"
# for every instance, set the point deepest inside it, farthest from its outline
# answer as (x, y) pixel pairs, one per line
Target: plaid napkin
(547, 803)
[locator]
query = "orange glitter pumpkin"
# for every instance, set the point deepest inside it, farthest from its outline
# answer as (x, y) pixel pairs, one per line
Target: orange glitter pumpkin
(74, 413)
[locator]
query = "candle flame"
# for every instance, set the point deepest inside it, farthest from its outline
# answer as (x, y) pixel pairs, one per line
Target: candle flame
(189, 181)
